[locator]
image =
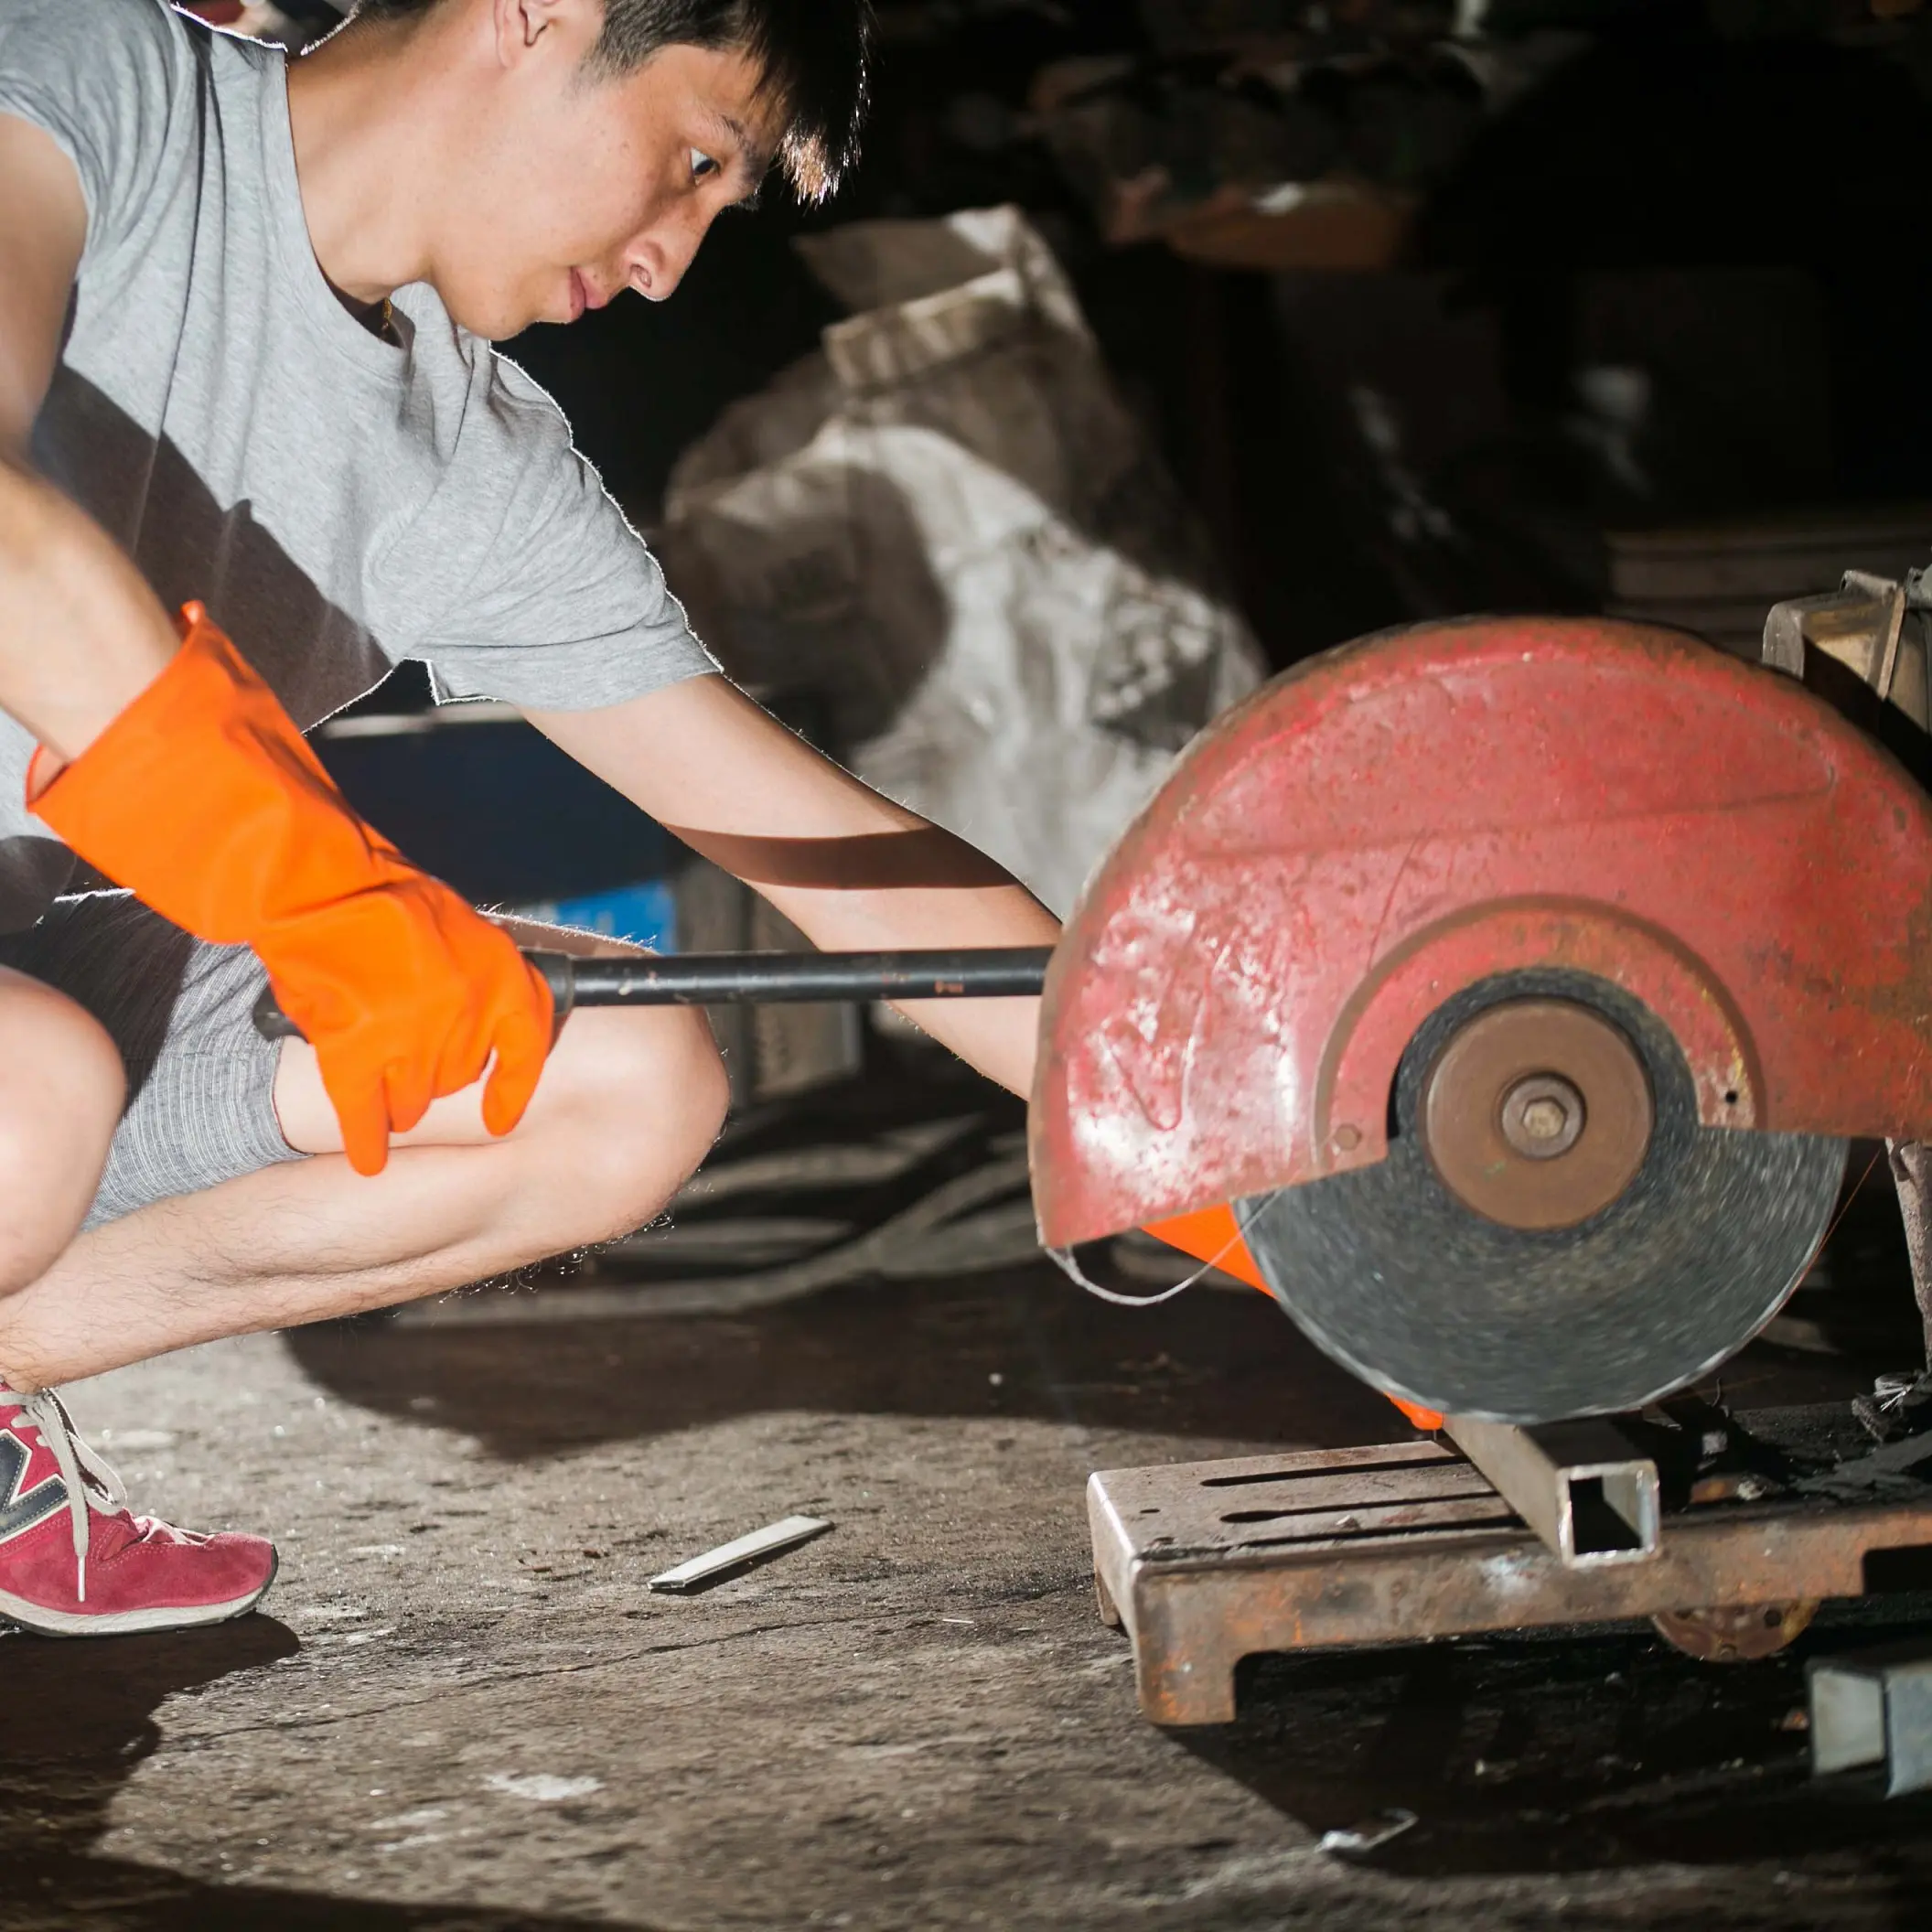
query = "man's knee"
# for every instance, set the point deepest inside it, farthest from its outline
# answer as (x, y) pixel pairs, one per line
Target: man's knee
(666, 1073)
(644, 1093)
(61, 1090)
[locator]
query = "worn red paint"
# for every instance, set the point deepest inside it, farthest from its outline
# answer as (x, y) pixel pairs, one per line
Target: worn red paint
(1394, 820)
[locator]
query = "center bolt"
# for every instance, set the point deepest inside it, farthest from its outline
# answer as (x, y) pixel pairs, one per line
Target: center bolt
(1542, 1116)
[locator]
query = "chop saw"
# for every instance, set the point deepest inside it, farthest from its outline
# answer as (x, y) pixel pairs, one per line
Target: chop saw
(1520, 982)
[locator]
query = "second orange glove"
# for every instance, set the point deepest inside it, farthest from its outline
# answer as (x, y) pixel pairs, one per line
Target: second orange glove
(202, 798)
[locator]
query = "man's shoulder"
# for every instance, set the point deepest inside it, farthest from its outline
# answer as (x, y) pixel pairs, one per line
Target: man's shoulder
(95, 35)
(104, 77)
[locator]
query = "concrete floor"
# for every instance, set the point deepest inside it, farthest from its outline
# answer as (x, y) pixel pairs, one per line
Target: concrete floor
(461, 1709)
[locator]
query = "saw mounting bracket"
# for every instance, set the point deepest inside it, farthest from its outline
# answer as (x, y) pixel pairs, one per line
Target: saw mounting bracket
(1872, 626)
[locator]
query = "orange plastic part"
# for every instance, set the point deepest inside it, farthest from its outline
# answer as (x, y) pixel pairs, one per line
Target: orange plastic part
(1426, 1419)
(1212, 1234)
(202, 798)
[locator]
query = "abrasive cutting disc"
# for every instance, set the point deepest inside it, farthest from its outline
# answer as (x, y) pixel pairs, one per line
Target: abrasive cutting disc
(1398, 1279)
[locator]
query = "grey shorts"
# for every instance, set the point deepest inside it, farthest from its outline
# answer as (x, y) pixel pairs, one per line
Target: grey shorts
(201, 1079)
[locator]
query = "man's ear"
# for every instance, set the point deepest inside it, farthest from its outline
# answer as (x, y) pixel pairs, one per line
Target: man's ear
(521, 24)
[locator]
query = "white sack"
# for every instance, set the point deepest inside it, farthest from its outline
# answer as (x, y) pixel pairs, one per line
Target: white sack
(946, 525)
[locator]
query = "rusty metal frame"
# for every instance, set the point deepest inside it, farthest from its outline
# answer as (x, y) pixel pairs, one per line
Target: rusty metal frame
(1205, 1563)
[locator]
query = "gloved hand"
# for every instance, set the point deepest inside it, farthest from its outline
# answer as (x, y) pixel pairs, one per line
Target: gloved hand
(203, 800)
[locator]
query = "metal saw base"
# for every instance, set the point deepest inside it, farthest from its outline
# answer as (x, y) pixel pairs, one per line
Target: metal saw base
(1206, 1563)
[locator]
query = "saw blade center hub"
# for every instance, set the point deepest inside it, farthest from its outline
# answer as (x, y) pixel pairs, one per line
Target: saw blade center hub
(1537, 1113)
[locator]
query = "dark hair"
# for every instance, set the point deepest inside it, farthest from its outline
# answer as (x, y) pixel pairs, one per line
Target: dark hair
(814, 55)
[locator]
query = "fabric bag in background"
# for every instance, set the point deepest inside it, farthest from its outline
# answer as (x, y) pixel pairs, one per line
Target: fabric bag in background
(948, 529)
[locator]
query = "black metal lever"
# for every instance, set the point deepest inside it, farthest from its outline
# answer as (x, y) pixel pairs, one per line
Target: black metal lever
(724, 979)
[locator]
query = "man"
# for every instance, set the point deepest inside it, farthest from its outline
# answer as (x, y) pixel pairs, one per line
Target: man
(254, 447)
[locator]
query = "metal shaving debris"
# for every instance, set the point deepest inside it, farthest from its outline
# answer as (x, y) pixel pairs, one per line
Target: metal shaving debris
(1371, 1835)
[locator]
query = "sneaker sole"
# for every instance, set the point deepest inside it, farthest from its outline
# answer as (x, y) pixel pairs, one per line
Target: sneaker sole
(43, 1622)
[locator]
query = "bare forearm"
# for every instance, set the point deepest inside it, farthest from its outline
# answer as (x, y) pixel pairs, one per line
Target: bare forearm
(997, 1036)
(80, 633)
(891, 881)
(853, 870)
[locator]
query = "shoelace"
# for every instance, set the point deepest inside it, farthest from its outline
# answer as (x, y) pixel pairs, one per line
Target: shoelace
(91, 1484)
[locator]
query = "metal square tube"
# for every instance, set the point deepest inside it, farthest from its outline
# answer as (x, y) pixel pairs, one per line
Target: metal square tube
(1874, 1708)
(1580, 1485)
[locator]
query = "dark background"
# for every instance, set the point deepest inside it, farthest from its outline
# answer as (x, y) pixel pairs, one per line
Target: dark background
(1729, 200)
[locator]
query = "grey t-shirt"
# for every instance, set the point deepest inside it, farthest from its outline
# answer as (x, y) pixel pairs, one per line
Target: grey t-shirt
(339, 504)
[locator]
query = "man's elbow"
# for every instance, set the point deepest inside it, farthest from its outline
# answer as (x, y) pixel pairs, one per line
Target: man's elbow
(43, 545)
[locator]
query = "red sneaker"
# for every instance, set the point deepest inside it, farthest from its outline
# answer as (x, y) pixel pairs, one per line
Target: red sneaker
(75, 1563)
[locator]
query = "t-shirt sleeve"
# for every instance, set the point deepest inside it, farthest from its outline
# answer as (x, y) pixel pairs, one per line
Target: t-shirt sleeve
(539, 594)
(105, 78)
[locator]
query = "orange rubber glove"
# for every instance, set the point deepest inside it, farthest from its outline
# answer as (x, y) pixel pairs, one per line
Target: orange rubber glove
(203, 800)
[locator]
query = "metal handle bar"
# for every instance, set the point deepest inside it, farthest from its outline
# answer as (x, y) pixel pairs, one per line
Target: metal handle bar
(724, 979)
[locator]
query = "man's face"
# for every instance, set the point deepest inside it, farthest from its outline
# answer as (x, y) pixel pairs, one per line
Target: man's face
(582, 186)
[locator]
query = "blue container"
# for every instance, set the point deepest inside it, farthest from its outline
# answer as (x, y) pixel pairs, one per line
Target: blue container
(483, 799)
